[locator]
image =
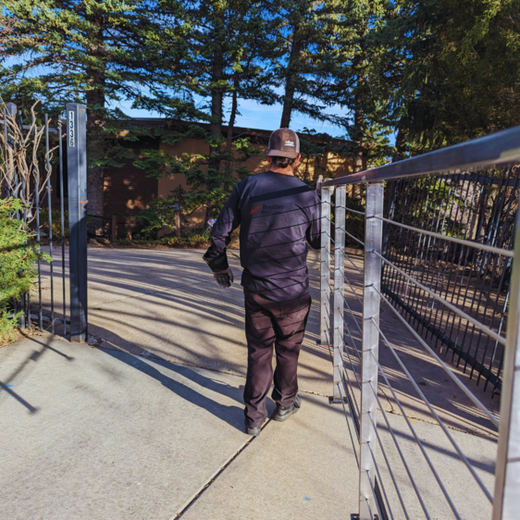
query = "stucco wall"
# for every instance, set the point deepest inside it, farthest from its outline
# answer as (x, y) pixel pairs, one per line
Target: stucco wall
(329, 165)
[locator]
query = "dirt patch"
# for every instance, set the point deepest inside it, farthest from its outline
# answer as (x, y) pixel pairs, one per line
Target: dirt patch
(18, 334)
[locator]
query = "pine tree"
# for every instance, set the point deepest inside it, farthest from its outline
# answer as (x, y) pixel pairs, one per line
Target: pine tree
(449, 70)
(224, 47)
(90, 51)
(350, 64)
(302, 33)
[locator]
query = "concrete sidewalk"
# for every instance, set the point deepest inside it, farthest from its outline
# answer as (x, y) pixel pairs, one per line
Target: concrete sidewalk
(148, 424)
(141, 425)
(165, 303)
(88, 433)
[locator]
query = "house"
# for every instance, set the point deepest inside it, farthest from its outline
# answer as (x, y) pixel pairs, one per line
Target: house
(128, 190)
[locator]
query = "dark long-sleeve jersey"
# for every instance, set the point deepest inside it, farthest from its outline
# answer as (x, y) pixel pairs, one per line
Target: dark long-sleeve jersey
(278, 214)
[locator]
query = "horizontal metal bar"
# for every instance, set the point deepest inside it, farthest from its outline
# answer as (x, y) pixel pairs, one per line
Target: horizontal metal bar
(354, 238)
(27, 127)
(492, 150)
(481, 326)
(441, 336)
(378, 473)
(358, 355)
(434, 413)
(354, 265)
(484, 247)
(347, 413)
(355, 211)
(448, 371)
(372, 517)
(401, 454)
(352, 397)
(352, 314)
(372, 487)
(354, 291)
(345, 350)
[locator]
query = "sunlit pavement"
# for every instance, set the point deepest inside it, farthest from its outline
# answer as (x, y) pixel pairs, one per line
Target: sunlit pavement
(146, 422)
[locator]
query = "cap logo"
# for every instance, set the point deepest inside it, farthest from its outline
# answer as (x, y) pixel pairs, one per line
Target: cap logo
(288, 142)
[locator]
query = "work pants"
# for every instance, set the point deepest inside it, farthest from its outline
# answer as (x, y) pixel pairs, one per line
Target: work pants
(269, 323)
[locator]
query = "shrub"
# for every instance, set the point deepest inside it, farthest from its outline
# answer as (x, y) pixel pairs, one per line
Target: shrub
(194, 241)
(17, 257)
(159, 215)
(56, 223)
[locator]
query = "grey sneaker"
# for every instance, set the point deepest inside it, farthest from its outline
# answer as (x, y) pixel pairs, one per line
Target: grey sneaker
(282, 414)
(255, 432)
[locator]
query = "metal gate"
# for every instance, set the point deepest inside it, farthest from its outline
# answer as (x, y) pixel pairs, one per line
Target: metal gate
(43, 164)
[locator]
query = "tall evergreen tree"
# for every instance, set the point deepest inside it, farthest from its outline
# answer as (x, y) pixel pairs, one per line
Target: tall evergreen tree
(224, 45)
(350, 66)
(449, 69)
(302, 31)
(91, 51)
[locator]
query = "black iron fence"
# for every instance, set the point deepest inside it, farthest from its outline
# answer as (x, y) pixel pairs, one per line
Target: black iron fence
(479, 207)
(43, 164)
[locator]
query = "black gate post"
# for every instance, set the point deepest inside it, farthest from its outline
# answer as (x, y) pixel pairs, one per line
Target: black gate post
(77, 177)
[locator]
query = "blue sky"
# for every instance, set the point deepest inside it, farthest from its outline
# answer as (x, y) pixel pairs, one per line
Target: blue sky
(262, 117)
(251, 114)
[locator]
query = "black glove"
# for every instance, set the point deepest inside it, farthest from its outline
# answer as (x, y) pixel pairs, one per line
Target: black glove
(224, 278)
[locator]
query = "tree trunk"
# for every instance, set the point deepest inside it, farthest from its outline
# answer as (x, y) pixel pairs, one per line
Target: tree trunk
(400, 141)
(290, 83)
(96, 152)
(231, 123)
(360, 152)
(217, 96)
(95, 97)
(359, 129)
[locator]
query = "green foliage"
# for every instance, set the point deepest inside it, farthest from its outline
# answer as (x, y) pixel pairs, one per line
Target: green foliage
(159, 215)
(56, 223)
(17, 258)
(196, 240)
(103, 54)
(434, 72)
(448, 70)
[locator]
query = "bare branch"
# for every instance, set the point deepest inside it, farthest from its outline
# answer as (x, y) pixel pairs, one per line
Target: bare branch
(20, 159)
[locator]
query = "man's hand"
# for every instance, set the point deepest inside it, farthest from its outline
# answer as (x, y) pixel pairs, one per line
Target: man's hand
(224, 278)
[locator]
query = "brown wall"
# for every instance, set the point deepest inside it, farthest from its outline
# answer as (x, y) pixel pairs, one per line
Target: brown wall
(328, 166)
(128, 191)
(168, 183)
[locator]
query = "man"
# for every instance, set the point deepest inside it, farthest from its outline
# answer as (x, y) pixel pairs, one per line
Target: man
(278, 214)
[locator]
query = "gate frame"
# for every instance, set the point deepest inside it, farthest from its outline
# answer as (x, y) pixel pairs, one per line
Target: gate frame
(77, 180)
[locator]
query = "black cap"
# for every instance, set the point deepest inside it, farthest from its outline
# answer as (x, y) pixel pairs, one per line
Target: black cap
(283, 143)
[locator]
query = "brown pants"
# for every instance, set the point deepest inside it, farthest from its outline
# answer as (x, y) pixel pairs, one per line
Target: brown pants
(267, 323)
